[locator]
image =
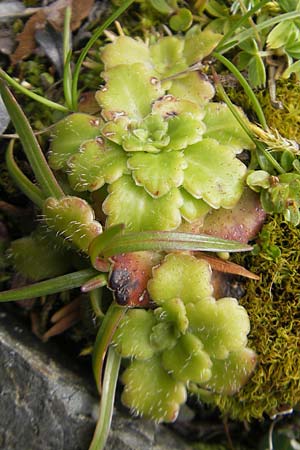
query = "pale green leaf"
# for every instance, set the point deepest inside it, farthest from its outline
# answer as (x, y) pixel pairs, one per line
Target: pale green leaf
(194, 87)
(98, 162)
(125, 50)
(183, 276)
(214, 174)
(199, 44)
(167, 57)
(133, 206)
(221, 325)
(150, 391)
(187, 361)
(222, 126)
(159, 173)
(192, 207)
(69, 134)
(129, 90)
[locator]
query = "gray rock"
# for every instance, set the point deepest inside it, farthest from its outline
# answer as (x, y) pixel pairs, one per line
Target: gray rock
(47, 402)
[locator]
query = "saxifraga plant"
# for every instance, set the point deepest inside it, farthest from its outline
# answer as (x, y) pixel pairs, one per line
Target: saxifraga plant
(160, 158)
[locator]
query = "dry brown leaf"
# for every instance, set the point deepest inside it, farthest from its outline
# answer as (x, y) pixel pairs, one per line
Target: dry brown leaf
(53, 14)
(26, 38)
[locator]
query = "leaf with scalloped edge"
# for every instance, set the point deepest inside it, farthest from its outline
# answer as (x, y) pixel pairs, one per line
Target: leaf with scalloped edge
(129, 90)
(198, 44)
(223, 126)
(194, 87)
(158, 173)
(167, 57)
(73, 218)
(230, 374)
(221, 325)
(183, 276)
(133, 206)
(150, 391)
(193, 208)
(132, 337)
(68, 135)
(98, 162)
(214, 174)
(125, 50)
(188, 361)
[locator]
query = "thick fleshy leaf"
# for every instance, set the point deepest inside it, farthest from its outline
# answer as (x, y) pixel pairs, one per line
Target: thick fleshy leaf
(125, 50)
(129, 90)
(193, 87)
(72, 218)
(214, 174)
(150, 391)
(173, 311)
(187, 361)
(230, 374)
(181, 20)
(199, 44)
(222, 126)
(183, 276)
(164, 336)
(98, 162)
(131, 205)
(132, 337)
(167, 57)
(69, 134)
(193, 208)
(221, 325)
(159, 173)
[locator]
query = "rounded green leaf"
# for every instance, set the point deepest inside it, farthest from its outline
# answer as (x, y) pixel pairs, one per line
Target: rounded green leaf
(133, 206)
(198, 44)
(183, 276)
(167, 57)
(125, 50)
(69, 134)
(159, 173)
(98, 162)
(129, 90)
(182, 20)
(132, 337)
(194, 87)
(223, 126)
(192, 207)
(214, 174)
(187, 361)
(230, 374)
(150, 391)
(221, 325)
(164, 336)
(72, 218)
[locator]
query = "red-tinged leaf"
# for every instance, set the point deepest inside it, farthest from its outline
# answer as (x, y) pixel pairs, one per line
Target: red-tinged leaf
(129, 276)
(228, 267)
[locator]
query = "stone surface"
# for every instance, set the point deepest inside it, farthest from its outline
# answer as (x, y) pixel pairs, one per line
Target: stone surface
(48, 403)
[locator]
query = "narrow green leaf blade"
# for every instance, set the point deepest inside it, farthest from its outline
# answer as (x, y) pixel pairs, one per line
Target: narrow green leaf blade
(167, 241)
(53, 286)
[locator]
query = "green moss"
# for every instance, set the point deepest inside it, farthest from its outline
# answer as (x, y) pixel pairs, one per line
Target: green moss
(287, 120)
(273, 308)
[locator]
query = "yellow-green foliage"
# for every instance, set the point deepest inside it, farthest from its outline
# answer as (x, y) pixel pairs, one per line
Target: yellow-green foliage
(287, 120)
(273, 305)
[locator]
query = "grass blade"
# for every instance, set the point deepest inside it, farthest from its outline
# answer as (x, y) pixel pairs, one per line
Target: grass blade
(167, 241)
(26, 186)
(47, 287)
(36, 158)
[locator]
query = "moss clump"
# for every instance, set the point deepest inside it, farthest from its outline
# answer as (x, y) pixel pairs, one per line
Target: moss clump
(286, 121)
(273, 305)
